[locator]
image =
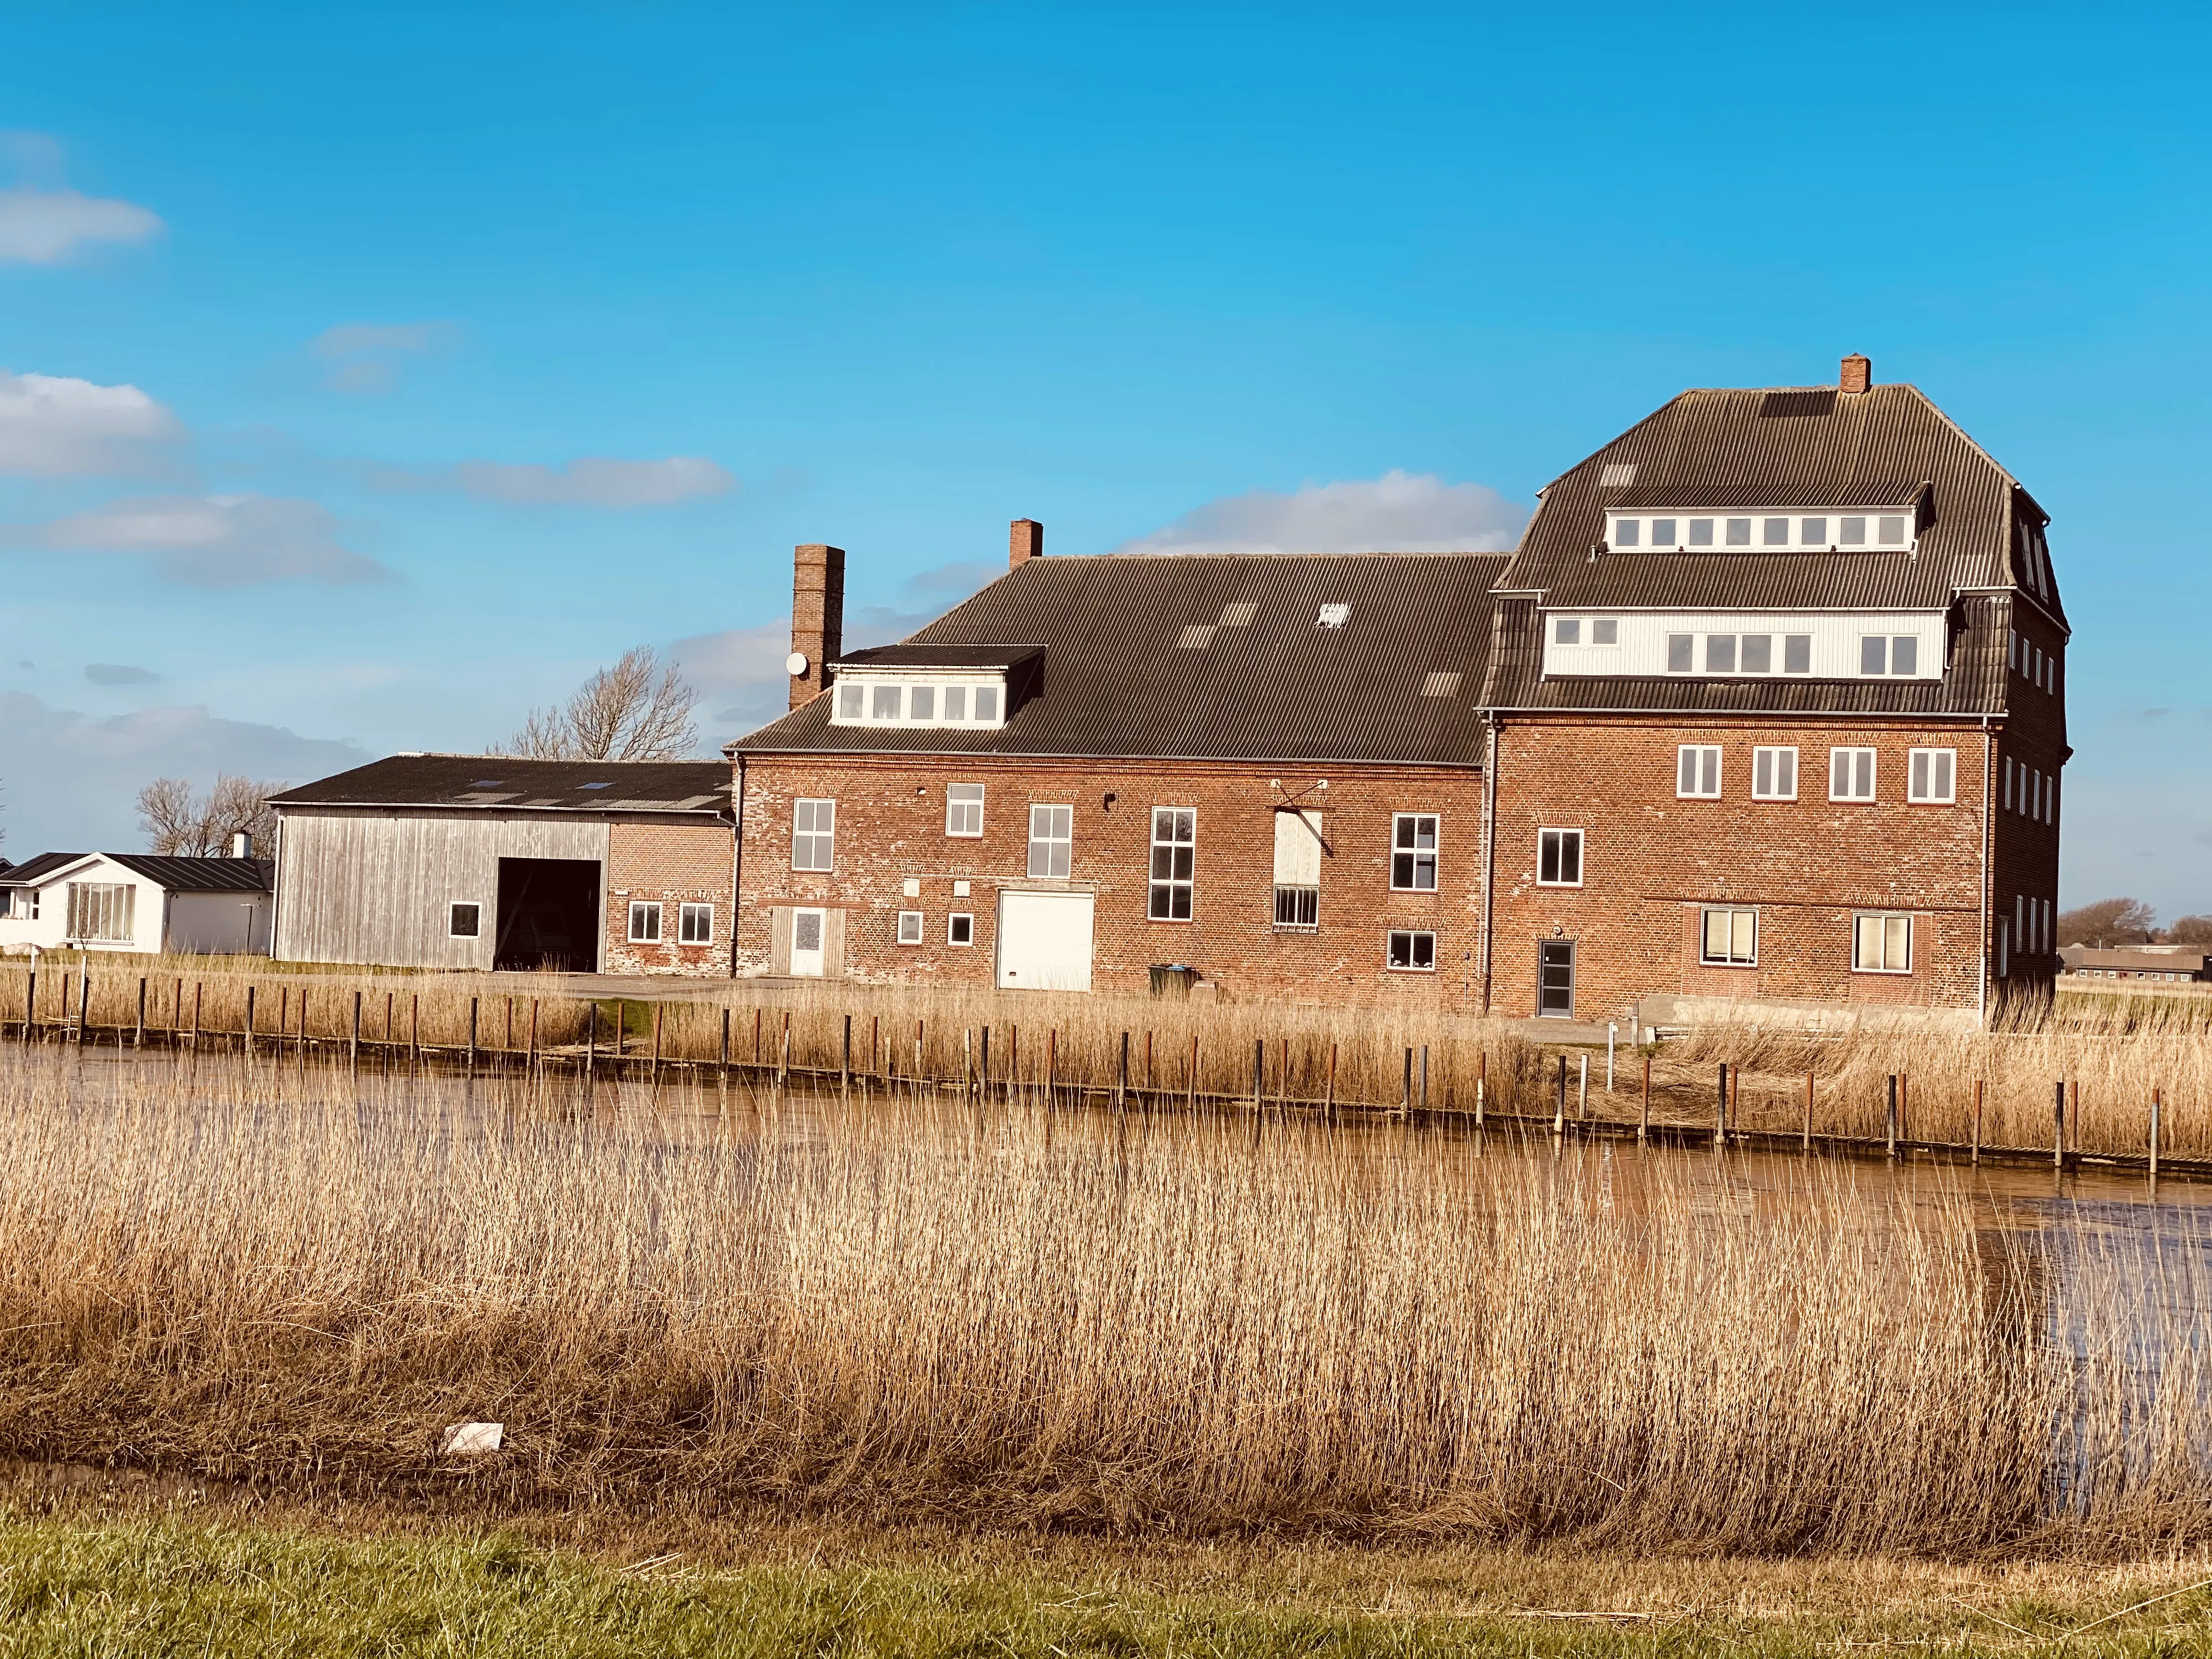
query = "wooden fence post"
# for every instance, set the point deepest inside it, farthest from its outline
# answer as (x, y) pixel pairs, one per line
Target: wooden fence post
(197, 989)
(1889, 1115)
(1193, 1078)
(472, 1027)
(83, 998)
(1481, 1083)
(1720, 1109)
(591, 1039)
(354, 1051)
(1425, 1077)
(530, 1060)
(1807, 1143)
(783, 1050)
(415, 1028)
(1051, 1065)
(2059, 1127)
(757, 1037)
(1122, 1080)
(658, 1008)
(138, 1039)
(1406, 1086)
(1582, 1090)
(31, 1001)
(1976, 1155)
(249, 1017)
(1258, 1068)
(2154, 1104)
(1644, 1118)
(725, 1062)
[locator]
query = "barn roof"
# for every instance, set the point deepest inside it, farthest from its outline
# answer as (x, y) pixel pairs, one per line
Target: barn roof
(176, 874)
(499, 783)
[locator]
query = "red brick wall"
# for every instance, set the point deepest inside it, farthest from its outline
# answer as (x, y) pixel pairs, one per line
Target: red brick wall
(1651, 861)
(671, 863)
(891, 827)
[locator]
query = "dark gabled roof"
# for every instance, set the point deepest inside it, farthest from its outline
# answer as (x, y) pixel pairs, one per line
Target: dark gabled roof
(32, 869)
(1260, 681)
(183, 875)
(502, 784)
(909, 655)
(1793, 446)
(2150, 959)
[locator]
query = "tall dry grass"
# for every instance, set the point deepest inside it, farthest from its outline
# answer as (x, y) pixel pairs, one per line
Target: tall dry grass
(1198, 1323)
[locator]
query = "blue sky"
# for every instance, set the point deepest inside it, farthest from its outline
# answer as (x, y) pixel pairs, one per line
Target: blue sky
(473, 345)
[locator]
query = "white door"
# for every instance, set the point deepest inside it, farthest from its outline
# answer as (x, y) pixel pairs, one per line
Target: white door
(1044, 941)
(807, 955)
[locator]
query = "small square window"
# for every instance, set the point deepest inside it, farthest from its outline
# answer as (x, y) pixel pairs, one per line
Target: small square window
(1738, 532)
(1883, 945)
(644, 922)
(1850, 774)
(1774, 774)
(850, 696)
(464, 921)
(909, 927)
(1796, 653)
(1701, 532)
(960, 928)
(1776, 532)
(884, 705)
(1720, 653)
(1558, 858)
(955, 702)
(1891, 530)
(1851, 531)
(1297, 910)
(1626, 532)
(1698, 771)
(1730, 938)
(1759, 653)
(1567, 630)
(1930, 776)
(921, 703)
(1412, 952)
(694, 924)
(1605, 630)
(1812, 533)
(1662, 532)
(1679, 650)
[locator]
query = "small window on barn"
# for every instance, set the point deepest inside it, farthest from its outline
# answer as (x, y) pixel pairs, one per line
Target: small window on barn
(1850, 774)
(1558, 858)
(1567, 630)
(1175, 860)
(1930, 776)
(1698, 771)
(1411, 951)
(644, 922)
(694, 924)
(1627, 532)
(1738, 532)
(1414, 851)
(1730, 938)
(1774, 774)
(1052, 838)
(813, 834)
(909, 927)
(963, 809)
(1759, 653)
(463, 921)
(1883, 945)
(1605, 630)
(960, 928)
(921, 703)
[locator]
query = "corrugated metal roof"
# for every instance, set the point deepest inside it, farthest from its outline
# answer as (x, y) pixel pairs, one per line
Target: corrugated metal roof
(31, 870)
(502, 783)
(908, 654)
(1118, 680)
(183, 875)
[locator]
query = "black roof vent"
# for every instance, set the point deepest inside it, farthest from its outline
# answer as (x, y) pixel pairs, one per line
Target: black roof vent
(1822, 402)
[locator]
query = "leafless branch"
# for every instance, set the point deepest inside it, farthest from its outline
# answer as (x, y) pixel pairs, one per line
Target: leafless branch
(639, 709)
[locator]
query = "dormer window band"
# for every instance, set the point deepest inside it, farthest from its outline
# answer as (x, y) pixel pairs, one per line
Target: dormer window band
(914, 701)
(1777, 530)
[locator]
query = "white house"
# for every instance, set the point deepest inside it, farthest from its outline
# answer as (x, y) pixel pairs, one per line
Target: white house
(136, 902)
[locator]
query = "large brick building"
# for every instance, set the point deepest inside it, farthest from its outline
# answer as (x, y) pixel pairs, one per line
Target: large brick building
(1768, 704)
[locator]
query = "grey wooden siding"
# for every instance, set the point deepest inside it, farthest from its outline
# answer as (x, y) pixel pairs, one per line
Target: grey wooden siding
(371, 886)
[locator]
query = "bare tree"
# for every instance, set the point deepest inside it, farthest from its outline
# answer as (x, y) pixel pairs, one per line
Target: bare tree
(2107, 922)
(639, 709)
(184, 824)
(2192, 930)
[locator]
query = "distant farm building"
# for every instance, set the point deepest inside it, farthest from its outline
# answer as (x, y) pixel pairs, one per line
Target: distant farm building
(140, 902)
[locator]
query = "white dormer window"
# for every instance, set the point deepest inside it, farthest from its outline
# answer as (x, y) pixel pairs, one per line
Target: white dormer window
(1334, 616)
(1767, 529)
(917, 700)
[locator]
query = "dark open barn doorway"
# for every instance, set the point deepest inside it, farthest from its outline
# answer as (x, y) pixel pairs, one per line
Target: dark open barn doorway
(549, 915)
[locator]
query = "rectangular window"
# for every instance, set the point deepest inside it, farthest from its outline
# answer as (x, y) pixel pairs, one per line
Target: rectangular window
(1776, 532)
(963, 809)
(2007, 784)
(1567, 630)
(1626, 532)
(1698, 772)
(694, 924)
(1701, 532)
(1298, 869)
(987, 702)
(960, 928)
(1759, 653)
(1891, 530)
(1606, 630)
(1662, 532)
(1052, 836)
(1720, 653)
(1883, 945)
(644, 922)
(1738, 532)
(464, 921)
(1414, 851)
(885, 704)
(1851, 531)
(1560, 858)
(100, 911)
(1175, 859)
(1730, 938)
(909, 927)
(1555, 978)
(1850, 774)
(1678, 648)
(955, 702)
(1812, 533)
(921, 703)
(1796, 653)
(850, 696)
(1905, 654)
(1930, 776)
(1873, 654)
(813, 834)
(1774, 774)
(1413, 951)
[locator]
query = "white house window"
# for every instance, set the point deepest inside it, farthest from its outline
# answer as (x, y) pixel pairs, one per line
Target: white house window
(18, 903)
(1701, 532)
(1738, 532)
(694, 924)
(921, 702)
(1730, 938)
(1679, 650)
(1414, 851)
(1627, 532)
(1558, 858)
(987, 705)
(1774, 774)
(909, 927)
(1796, 653)
(1605, 630)
(644, 922)
(869, 699)
(1568, 631)
(884, 701)
(1883, 945)
(1738, 653)
(1776, 533)
(1929, 776)
(813, 834)
(1175, 858)
(1720, 653)
(100, 911)
(1663, 533)
(960, 928)
(1772, 528)
(1889, 653)
(1052, 835)
(1698, 772)
(963, 809)
(1411, 951)
(1298, 870)
(955, 703)
(464, 920)
(1850, 774)
(850, 696)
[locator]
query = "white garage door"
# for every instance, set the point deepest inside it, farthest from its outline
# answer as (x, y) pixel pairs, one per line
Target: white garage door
(1044, 941)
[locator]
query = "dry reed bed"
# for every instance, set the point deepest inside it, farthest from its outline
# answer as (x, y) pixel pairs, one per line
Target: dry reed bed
(1200, 1324)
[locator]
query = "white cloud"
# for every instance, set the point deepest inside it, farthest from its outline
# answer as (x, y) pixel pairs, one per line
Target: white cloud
(365, 355)
(211, 541)
(46, 227)
(52, 426)
(1398, 512)
(738, 675)
(118, 673)
(68, 780)
(594, 481)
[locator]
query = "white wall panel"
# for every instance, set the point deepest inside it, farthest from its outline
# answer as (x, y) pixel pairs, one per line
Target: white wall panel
(1643, 640)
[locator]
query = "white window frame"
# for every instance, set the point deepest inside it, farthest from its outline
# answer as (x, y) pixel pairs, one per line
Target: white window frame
(815, 836)
(1180, 852)
(1056, 843)
(957, 812)
(1406, 844)
(456, 905)
(1922, 768)
(1409, 934)
(910, 925)
(642, 911)
(1297, 903)
(1704, 770)
(1728, 959)
(689, 913)
(952, 928)
(1873, 772)
(1859, 918)
(1543, 833)
(1765, 755)
(102, 912)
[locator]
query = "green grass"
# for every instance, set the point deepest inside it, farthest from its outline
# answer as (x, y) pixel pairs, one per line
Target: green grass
(106, 1588)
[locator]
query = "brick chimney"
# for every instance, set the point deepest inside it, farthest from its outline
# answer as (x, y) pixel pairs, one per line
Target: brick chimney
(1859, 374)
(818, 617)
(1024, 542)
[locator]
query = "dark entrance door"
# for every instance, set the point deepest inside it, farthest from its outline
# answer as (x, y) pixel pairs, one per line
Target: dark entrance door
(1555, 978)
(549, 915)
